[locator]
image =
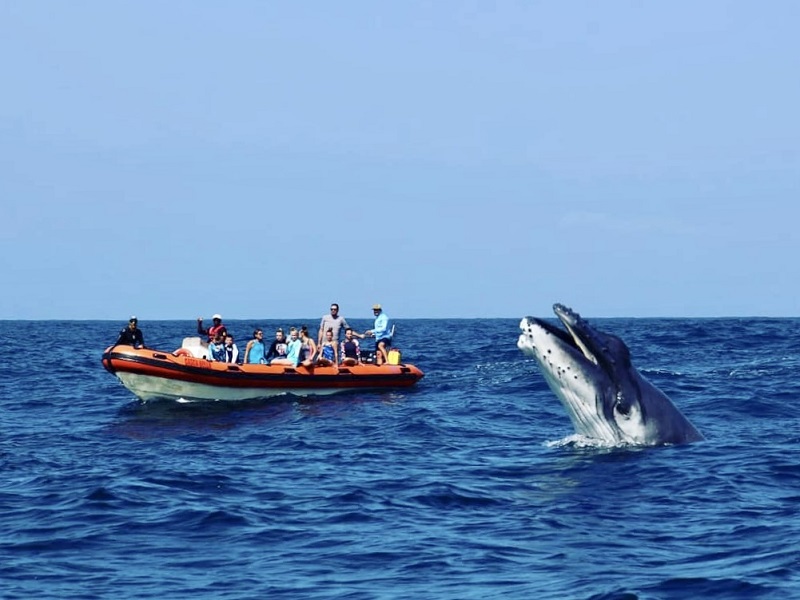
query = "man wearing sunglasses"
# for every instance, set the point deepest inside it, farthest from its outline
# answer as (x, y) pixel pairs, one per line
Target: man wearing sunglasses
(334, 321)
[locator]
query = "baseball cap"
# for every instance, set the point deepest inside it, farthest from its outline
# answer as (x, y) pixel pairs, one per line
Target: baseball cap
(376, 307)
(217, 316)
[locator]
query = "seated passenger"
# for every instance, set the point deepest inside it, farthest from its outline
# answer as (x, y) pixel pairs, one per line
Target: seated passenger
(328, 354)
(349, 349)
(254, 351)
(308, 350)
(231, 351)
(292, 358)
(278, 347)
(216, 349)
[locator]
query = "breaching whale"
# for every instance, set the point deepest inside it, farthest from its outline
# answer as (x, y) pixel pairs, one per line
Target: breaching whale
(605, 396)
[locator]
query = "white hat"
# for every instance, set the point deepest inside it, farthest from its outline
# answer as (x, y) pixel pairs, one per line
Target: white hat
(217, 316)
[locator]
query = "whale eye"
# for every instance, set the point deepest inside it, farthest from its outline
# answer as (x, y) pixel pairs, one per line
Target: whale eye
(621, 405)
(623, 408)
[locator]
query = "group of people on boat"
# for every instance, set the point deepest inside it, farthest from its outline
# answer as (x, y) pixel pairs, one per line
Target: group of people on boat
(298, 349)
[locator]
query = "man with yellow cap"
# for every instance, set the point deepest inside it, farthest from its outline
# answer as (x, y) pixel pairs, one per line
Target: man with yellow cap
(382, 332)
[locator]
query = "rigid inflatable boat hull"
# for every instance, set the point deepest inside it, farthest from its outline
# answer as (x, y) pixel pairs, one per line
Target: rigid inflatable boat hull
(152, 374)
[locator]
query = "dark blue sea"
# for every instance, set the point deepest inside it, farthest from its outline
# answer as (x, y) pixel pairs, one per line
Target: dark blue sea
(471, 485)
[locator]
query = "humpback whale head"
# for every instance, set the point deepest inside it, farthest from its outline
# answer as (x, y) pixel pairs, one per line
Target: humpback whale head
(606, 398)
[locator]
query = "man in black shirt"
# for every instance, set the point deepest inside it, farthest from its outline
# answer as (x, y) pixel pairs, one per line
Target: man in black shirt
(131, 335)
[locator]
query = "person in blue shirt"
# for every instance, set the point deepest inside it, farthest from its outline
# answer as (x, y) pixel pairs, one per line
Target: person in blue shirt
(292, 358)
(254, 351)
(216, 349)
(382, 332)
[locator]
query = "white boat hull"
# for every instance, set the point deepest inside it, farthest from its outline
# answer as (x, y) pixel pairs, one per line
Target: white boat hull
(148, 388)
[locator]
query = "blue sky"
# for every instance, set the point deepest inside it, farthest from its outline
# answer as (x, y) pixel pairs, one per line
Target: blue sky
(447, 159)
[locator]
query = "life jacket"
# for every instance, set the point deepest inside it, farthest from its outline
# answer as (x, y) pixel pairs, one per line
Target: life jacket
(214, 330)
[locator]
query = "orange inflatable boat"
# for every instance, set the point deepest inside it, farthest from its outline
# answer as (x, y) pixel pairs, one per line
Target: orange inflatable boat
(153, 374)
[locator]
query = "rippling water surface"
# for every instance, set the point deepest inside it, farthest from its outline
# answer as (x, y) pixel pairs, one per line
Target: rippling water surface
(471, 485)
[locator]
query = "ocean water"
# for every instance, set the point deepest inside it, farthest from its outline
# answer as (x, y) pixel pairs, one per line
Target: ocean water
(470, 485)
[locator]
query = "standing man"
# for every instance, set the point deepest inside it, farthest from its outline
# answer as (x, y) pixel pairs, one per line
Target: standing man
(382, 332)
(131, 335)
(335, 322)
(216, 328)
